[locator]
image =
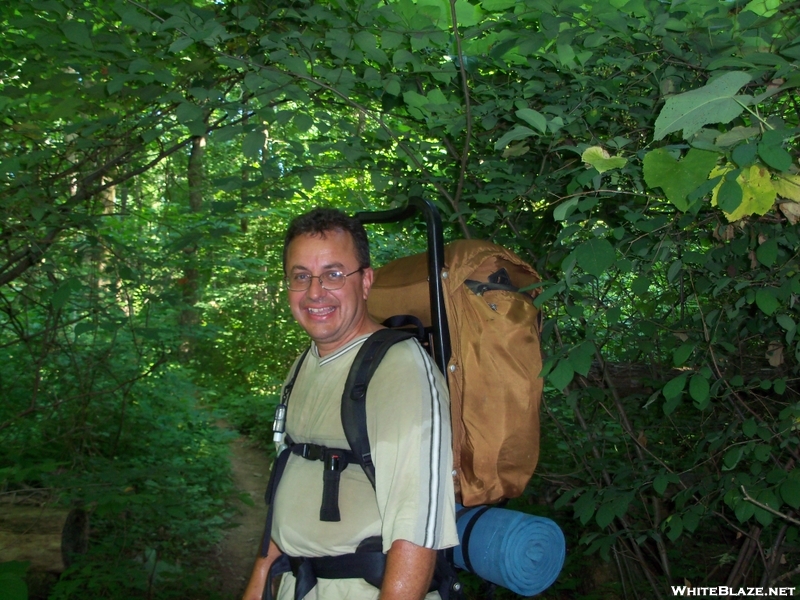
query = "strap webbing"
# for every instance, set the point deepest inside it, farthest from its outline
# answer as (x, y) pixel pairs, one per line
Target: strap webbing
(467, 533)
(354, 404)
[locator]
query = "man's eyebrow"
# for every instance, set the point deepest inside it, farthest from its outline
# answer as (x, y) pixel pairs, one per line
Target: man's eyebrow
(332, 266)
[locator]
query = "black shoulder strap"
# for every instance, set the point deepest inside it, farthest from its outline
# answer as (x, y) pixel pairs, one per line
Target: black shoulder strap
(280, 461)
(354, 397)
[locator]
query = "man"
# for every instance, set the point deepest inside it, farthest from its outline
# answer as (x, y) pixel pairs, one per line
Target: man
(411, 510)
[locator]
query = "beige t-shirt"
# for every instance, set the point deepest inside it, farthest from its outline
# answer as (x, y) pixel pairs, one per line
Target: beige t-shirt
(408, 423)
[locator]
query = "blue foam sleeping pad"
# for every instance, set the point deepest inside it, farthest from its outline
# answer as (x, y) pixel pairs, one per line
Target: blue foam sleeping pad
(521, 552)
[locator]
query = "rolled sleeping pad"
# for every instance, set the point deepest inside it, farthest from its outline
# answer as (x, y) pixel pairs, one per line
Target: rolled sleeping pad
(521, 552)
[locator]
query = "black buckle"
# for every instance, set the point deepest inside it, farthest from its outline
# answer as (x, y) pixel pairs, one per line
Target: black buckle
(311, 452)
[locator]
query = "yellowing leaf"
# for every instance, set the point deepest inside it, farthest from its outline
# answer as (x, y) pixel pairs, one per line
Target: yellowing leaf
(601, 160)
(758, 193)
(775, 354)
(790, 210)
(788, 186)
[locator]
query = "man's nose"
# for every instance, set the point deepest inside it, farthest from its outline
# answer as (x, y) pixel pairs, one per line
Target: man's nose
(315, 289)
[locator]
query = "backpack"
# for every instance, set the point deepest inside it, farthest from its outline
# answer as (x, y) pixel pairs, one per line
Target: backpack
(493, 370)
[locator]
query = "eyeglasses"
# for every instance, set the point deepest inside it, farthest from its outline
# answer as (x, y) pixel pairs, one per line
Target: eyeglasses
(329, 280)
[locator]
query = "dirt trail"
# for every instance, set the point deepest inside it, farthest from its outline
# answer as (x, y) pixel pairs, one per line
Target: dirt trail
(237, 550)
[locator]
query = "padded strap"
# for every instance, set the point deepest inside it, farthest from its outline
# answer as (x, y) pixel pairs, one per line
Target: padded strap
(354, 397)
(401, 321)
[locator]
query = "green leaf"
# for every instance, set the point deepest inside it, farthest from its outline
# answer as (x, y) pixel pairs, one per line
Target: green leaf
(786, 322)
(790, 492)
(691, 518)
(585, 506)
(562, 375)
(581, 358)
(467, 14)
(713, 103)
(730, 195)
(533, 118)
(308, 180)
(766, 301)
(674, 270)
(497, 5)
(682, 353)
(595, 256)
(767, 253)
(599, 158)
(744, 155)
(675, 386)
(83, 327)
(678, 179)
(749, 427)
(519, 132)
(548, 292)
(674, 527)
(180, 44)
(771, 151)
(186, 112)
(563, 499)
(660, 483)
(77, 33)
(732, 458)
(768, 498)
(302, 121)
(699, 388)
(136, 20)
(253, 143)
(744, 510)
(62, 294)
(565, 209)
(605, 514)
(640, 285)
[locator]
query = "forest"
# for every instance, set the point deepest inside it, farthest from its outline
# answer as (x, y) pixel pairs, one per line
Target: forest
(641, 155)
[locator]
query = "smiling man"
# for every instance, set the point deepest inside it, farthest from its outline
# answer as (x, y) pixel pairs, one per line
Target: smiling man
(410, 512)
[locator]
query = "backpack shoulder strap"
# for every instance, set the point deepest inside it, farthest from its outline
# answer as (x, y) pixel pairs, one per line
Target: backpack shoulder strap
(354, 397)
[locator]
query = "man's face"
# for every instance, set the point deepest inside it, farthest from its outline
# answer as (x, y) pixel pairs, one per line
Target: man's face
(331, 317)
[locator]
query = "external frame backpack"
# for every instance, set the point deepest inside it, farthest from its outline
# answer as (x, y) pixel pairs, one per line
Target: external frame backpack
(493, 372)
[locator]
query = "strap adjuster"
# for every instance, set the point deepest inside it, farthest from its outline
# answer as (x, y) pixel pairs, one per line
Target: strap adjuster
(335, 460)
(311, 451)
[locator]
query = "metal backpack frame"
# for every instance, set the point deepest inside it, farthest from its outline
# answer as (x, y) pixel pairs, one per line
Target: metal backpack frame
(440, 330)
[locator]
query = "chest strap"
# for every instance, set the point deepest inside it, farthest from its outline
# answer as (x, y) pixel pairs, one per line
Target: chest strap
(335, 460)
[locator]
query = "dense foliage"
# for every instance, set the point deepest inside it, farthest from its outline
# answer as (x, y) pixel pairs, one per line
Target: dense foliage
(641, 154)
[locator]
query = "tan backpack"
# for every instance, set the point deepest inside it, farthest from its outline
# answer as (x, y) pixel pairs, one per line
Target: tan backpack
(493, 373)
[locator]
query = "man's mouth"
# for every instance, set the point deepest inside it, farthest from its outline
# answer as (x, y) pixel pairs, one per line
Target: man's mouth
(320, 312)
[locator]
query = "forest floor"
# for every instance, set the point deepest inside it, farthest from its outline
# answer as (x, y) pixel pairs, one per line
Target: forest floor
(236, 552)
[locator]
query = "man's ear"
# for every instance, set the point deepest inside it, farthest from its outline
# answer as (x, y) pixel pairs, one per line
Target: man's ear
(367, 277)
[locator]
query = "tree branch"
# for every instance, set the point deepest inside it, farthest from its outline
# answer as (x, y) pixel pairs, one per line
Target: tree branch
(769, 509)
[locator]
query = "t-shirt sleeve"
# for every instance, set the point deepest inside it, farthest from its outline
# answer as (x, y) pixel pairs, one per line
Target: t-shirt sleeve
(408, 422)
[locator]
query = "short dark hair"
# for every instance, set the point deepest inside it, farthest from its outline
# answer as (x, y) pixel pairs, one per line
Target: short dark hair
(321, 220)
